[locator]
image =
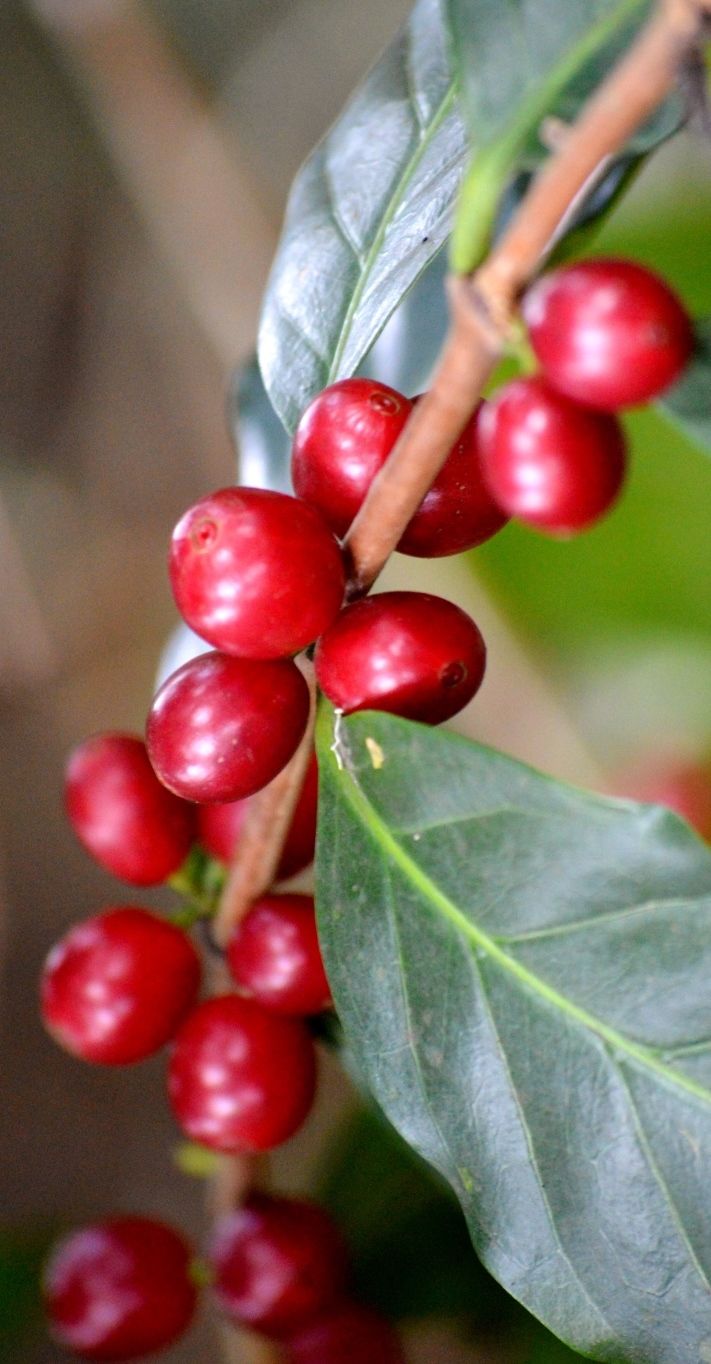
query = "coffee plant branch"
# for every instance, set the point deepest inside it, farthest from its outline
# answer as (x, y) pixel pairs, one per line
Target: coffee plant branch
(482, 305)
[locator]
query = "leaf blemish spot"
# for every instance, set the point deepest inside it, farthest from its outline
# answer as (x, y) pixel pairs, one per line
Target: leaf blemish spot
(377, 757)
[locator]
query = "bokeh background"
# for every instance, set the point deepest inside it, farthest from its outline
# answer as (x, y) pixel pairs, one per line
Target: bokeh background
(146, 153)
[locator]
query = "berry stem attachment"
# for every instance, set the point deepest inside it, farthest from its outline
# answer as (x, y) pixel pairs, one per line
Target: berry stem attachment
(265, 830)
(482, 305)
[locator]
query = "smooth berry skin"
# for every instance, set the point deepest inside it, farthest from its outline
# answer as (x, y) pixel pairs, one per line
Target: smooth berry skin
(555, 465)
(409, 653)
(241, 1078)
(122, 814)
(257, 574)
(220, 728)
(116, 987)
(119, 1289)
(458, 513)
(274, 956)
(609, 333)
(347, 1334)
(343, 440)
(277, 1263)
(220, 827)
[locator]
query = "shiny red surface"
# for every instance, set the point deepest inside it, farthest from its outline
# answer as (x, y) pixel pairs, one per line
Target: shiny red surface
(406, 652)
(219, 828)
(220, 728)
(119, 1289)
(241, 1078)
(116, 987)
(344, 438)
(609, 333)
(257, 574)
(348, 1334)
(278, 1262)
(122, 814)
(458, 512)
(274, 955)
(555, 465)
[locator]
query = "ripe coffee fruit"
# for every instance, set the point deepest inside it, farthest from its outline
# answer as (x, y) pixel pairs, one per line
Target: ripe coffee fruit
(119, 1289)
(116, 987)
(274, 955)
(345, 437)
(241, 1078)
(608, 333)
(342, 440)
(458, 512)
(258, 574)
(220, 826)
(220, 728)
(277, 1263)
(122, 814)
(550, 462)
(347, 1334)
(406, 652)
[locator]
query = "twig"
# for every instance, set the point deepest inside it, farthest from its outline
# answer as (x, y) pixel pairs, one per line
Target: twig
(251, 874)
(482, 307)
(265, 829)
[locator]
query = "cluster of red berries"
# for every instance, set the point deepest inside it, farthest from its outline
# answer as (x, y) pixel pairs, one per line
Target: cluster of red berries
(261, 576)
(119, 1289)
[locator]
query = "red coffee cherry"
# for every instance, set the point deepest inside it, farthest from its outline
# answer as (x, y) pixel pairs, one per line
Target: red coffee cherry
(344, 438)
(609, 333)
(241, 1078)
(274, 955)
(348, 1334)
(119, 1289)
(115, 988)
(258, 574)
(682, 785)
(122, 814)
(405, 652)
(458, 512)
(220, 826)
(220, 728)
(550, 462)
(277, 1262)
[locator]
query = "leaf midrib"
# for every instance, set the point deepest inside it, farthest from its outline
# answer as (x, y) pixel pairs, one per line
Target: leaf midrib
(395, 200)
(534, 107)
(644, 1056)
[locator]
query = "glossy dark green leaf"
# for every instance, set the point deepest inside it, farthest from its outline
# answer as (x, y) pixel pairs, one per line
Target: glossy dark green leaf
(518, 64)
(522, 971)
(368, 211)
(688, 403)
(409, 1247)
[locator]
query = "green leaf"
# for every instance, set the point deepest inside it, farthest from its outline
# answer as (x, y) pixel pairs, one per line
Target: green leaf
(410, 1251)
(521, 970)
(517, 64)
(688, 403)
(368, 211)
